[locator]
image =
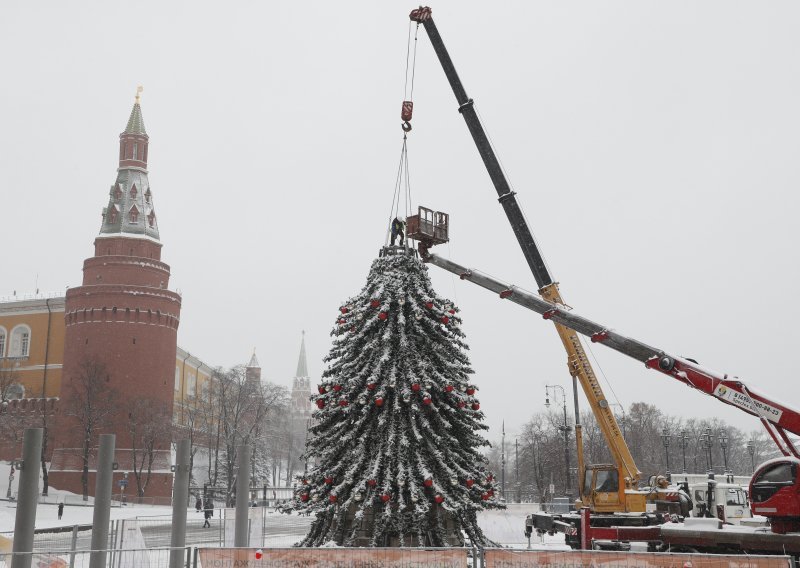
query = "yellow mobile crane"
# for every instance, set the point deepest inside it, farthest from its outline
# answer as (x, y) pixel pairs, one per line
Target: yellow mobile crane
(604, 488)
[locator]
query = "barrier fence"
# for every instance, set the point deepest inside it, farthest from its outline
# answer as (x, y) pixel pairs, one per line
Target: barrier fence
(266, 557)
(133, 558)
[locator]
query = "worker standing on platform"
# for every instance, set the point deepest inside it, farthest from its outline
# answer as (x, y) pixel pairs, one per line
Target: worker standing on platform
(397, 230)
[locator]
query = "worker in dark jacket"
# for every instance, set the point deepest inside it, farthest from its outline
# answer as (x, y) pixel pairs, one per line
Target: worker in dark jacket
(397, 230)
(208, 512)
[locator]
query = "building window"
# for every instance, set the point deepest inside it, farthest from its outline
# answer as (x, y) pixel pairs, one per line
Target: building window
(147, 196)
(135, 150)
(151, 218)
(177, 378)
(2, 342)
(112, 215)
(117, 192)
(134, 192)
(20, 341)
(133, 215)
(192, 386)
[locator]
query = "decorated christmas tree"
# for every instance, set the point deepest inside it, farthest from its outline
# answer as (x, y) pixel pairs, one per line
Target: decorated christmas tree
(395, 442)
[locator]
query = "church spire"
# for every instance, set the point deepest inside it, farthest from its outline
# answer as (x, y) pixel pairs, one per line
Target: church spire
(130, 211)
(302, 365)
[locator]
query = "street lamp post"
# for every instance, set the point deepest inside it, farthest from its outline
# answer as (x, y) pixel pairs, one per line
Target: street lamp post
(723, 443)
(708, 444)
(565, 428)
(683, 442)
(665, 438)
(751, 449)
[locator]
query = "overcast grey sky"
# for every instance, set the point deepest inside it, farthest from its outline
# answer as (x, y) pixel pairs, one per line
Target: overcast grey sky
(654, 147)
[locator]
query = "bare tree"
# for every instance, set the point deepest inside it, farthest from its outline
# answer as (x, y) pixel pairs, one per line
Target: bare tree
(12, 424)
(92, 405)
(149, 430)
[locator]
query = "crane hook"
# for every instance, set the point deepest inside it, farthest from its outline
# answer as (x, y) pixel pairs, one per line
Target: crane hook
(406, 126)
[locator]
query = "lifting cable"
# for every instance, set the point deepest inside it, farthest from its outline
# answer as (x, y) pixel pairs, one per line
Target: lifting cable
(402, 186)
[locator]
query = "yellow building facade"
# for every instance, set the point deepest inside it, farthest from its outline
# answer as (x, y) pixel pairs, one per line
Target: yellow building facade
(32, 353)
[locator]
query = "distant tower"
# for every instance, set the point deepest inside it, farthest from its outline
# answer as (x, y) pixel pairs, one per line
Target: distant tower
(123, 317)
(252, 372)
(301, 388)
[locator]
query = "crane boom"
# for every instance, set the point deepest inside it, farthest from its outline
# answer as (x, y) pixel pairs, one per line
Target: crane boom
(577, 361)
(776, 417)
(506, 197)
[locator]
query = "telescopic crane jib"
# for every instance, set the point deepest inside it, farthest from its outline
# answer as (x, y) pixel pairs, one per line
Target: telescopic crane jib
(604, 488)
(775, 485)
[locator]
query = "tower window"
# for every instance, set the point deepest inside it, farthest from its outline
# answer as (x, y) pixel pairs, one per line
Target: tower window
(135, 150)
(133, 215)
(151, 218)
(147, 196)
(2, 343)
(117, 192)
(134, 192)
(112, 216)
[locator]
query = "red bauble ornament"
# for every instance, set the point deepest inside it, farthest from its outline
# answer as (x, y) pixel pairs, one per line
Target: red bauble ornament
(461, 404)
(470, 390)
(321, 389)
(371, 386)
(426, 400)
(379, 401)
(385, 497)
(353, 328)
(476, 406)
(337, 388)
(449, 388)
(415, 387)
(343, 309)
(485, 496)
(343, 402)
(439, 499)
(428, 482)
(332, 498)
(490, 478)
(341, 320)
(429, 305)
(382, 316)
(490, 493)
(452, 312)
(375, 303)
(469, 482)
(445, 320)
(372, 482)
(329, 480)
(320, 403)
(304, 497)
(305, 482)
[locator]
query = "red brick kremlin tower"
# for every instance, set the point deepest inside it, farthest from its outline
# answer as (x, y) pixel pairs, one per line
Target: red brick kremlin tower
(124, 321)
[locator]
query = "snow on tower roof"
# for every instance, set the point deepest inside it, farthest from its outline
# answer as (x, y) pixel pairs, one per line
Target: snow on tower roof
(254, 364)
(302, 365)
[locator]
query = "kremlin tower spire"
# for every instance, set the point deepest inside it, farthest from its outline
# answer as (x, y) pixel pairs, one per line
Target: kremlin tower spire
(124, 320)
(130, 209)
(301, 387)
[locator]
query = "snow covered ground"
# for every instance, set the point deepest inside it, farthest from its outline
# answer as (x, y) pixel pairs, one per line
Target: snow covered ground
(503, 527)
(47, 513)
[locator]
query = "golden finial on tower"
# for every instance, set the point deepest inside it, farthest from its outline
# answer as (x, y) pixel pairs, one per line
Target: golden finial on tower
(139, 90)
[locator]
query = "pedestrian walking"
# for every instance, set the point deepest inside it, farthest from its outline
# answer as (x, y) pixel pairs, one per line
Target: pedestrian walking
(208, 513)
(60, 510)
(198, 504)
